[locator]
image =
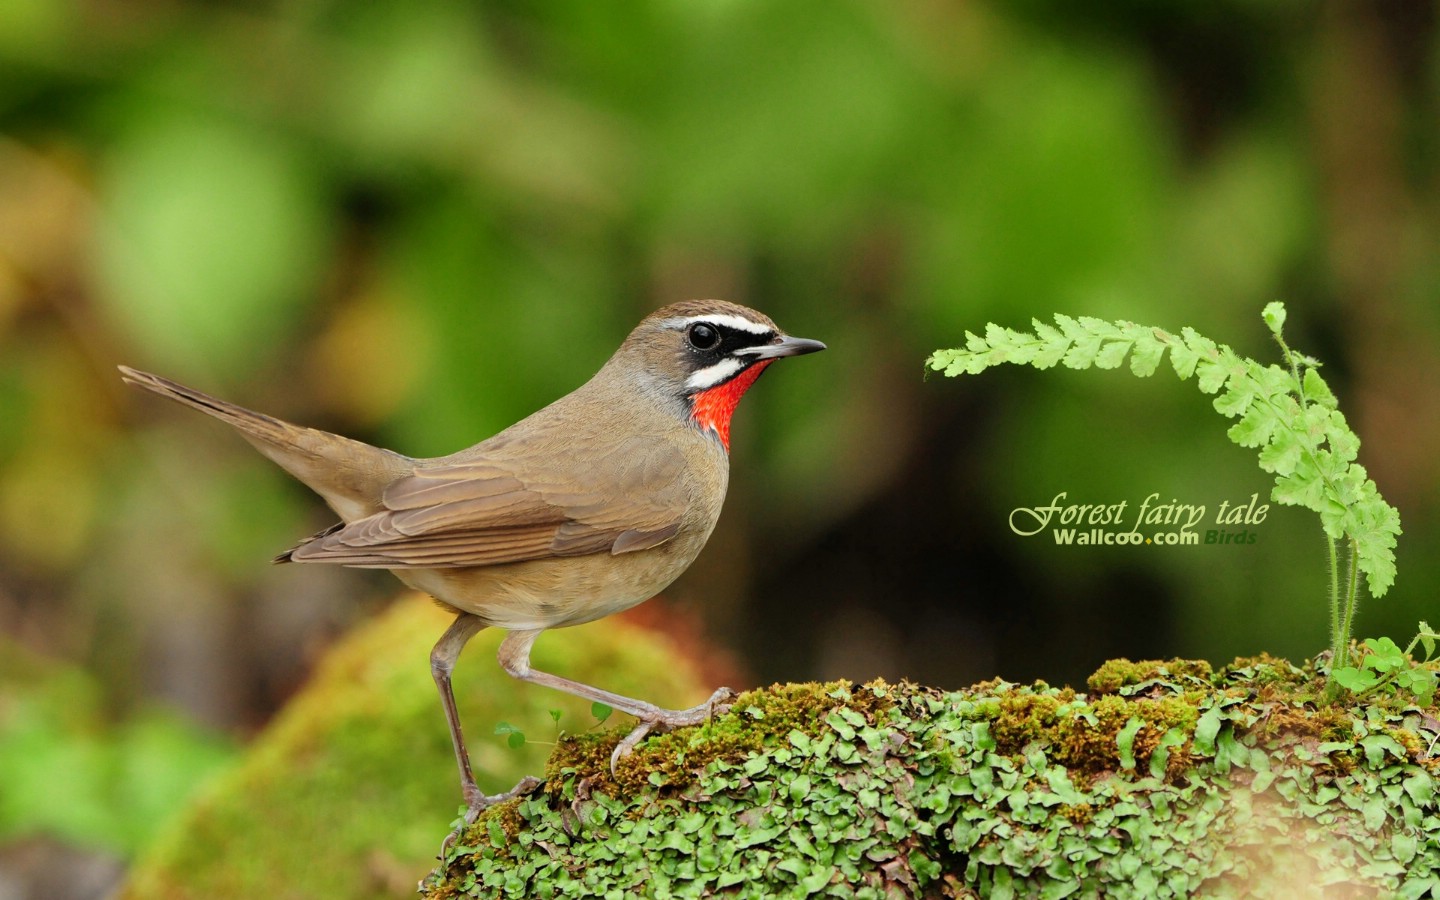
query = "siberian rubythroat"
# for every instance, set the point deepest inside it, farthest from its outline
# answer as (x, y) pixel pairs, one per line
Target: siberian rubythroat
(591, 505)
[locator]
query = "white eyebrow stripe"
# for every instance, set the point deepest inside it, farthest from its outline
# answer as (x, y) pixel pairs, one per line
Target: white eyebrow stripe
(738, 323)
(712, 375)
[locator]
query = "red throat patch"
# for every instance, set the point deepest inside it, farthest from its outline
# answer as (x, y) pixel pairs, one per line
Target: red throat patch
(712, 408)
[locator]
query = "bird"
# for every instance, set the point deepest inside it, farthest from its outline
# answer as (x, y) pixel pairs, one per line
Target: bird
(583, 509)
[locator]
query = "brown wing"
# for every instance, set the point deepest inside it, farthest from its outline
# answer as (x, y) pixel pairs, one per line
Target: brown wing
(482, 512)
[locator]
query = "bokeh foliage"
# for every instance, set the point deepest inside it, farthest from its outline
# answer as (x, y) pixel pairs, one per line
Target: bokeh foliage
(415, 222)
(73, 771)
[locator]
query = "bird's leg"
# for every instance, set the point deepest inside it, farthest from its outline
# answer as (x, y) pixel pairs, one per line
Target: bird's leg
(515, 659)
(442, 663)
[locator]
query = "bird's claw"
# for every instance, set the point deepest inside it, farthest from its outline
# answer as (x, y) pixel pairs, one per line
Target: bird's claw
(717, 705)
(477, 802)
(719, 701)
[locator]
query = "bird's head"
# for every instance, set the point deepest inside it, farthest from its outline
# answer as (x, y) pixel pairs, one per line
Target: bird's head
(706, 354)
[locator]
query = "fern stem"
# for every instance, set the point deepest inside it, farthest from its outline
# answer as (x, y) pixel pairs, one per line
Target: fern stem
(1290, 360)
(1337, 643)
(1352, 600)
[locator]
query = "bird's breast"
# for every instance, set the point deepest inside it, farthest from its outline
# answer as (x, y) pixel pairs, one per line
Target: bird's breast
(687, 482)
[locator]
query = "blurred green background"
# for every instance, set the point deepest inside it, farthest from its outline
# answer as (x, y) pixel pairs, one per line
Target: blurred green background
(415, 222)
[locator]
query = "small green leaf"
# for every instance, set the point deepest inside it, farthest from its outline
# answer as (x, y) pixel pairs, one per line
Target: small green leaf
(1048, 334)
(1343, 443)
(601, 711)
(1353, 679)
(516, 740)
(1207, 728)
(1145, 357)
(1283, 452)
(1160, 757)
(1421, 787)
(495, 831)
(799, 740)
(1427, 638)
(1211, 374)
(1316, 390)
(1112, 355)
(1084, 349)
(1274, 316)
(1419, 682)
(1234, 400)
(1302, 487)
(1053, 344)
(1125, 742)
(1198, 342)
(1254, 429)
(1183, 359)
(1384, 655)
(1376, 746)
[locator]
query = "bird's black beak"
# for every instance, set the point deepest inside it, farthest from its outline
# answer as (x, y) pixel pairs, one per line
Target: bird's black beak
(783, 346)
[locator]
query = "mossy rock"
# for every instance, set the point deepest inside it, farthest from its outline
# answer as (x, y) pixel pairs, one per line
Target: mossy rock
(350, 791)
(1168, 780)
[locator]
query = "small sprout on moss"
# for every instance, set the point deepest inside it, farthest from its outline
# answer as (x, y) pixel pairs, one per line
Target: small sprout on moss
(601, 712)
(514, 737)
(1385, 669)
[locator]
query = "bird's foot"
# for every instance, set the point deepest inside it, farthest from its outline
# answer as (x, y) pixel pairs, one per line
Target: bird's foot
(476, 802)
(665, 719)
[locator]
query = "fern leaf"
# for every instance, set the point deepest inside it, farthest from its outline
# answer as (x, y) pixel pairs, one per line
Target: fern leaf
(1053, 344)
(1282, 454)
(1317, 391)
(1235, 400)
(1254, 428)
(1183, 359)
(1084, 343)
(1112, 355)
(1145, 357)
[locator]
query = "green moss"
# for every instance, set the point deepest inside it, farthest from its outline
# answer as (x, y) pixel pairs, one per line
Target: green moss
(671, 761)
(1122, 673)
(1174, 781)
(1082, 735)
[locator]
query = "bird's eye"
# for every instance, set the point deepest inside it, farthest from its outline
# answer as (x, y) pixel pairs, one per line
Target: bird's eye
(702, 336)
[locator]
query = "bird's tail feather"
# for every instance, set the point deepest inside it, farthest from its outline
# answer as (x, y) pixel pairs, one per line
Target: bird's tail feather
(350, 475)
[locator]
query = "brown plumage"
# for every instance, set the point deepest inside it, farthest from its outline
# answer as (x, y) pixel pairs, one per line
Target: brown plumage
(585, 508)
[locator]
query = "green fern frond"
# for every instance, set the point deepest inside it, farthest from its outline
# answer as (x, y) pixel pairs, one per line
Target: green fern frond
(1288, 413)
